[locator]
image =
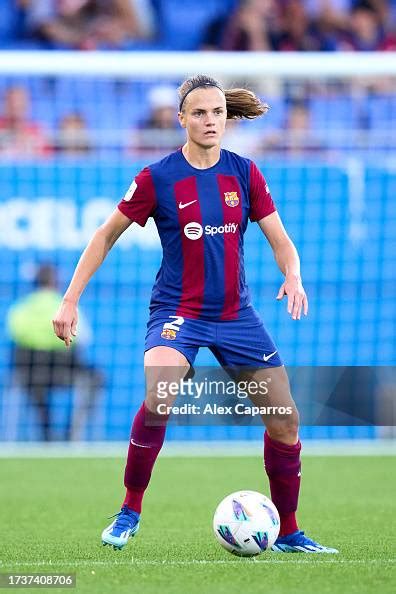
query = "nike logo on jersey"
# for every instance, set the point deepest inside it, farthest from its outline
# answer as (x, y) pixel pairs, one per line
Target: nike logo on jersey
(268, 357)
(186, 204)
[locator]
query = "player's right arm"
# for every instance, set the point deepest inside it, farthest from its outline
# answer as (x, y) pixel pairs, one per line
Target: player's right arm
(65, 320)
(138, 205)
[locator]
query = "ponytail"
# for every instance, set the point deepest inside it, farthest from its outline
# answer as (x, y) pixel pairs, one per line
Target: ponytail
(243, 104)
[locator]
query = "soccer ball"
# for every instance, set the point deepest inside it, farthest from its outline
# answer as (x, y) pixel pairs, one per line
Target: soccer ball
(246, 523)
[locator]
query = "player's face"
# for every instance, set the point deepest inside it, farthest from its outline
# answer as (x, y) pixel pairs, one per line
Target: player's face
(204, 116)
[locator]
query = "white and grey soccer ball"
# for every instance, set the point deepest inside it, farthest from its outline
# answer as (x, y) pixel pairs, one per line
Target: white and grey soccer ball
(246, 523)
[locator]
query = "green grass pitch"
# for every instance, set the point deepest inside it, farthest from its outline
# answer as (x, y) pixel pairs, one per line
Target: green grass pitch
(52, 512)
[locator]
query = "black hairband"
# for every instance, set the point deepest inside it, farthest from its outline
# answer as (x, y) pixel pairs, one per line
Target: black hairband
(197, 86)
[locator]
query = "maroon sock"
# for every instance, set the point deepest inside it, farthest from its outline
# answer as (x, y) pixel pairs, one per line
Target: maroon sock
(283, 467)
(147, 437)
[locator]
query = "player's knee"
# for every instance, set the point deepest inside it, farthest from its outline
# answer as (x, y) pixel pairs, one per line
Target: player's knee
(159, 406)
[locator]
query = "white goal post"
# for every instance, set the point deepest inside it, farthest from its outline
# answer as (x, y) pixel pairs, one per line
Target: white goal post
(145, 65)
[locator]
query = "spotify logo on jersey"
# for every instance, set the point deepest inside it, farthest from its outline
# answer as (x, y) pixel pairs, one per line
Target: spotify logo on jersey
(193, 230)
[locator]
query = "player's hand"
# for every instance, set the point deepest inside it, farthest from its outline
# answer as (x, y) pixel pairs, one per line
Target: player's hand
(297, 300)
(65, 322)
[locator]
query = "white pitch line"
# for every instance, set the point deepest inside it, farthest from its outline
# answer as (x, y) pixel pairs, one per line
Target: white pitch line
(243, 561)
(193, 449)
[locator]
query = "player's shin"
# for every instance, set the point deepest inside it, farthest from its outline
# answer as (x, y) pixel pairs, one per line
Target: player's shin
(147, 438)
(283, 467)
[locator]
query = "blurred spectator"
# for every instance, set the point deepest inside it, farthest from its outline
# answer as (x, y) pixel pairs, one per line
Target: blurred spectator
(41, 361)
(266, 25)
(333, 12)
(20, 137)
(161, 131)
(365, 31)
(298, 33)
(73, 138)
(162, 102)
(251, 27)
(296, 137)
(386, 11)
(85, 24)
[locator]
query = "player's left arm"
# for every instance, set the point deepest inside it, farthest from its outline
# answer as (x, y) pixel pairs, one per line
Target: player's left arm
(288, 261)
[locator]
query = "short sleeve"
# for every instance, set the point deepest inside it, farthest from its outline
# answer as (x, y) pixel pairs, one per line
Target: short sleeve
(261, 203)
(139, 202)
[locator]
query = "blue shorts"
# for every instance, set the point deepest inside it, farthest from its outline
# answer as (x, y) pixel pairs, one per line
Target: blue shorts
(234, 343)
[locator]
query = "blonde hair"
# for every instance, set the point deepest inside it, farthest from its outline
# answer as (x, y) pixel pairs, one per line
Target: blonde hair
(240, 103)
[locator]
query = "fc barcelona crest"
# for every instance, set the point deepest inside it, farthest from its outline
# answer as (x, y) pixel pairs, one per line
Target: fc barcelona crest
(168, 333)
(231, 198)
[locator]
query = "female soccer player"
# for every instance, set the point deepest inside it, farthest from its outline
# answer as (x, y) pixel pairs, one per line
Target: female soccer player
(201, 198)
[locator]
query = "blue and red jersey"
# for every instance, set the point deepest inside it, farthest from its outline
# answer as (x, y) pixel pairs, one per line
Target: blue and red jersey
(201, 216)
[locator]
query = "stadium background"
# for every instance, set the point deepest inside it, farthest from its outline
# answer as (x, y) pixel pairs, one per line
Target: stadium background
(333, 181)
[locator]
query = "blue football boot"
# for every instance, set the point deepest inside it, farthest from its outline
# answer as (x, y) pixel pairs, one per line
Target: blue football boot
(297, 542)
(125, 525)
